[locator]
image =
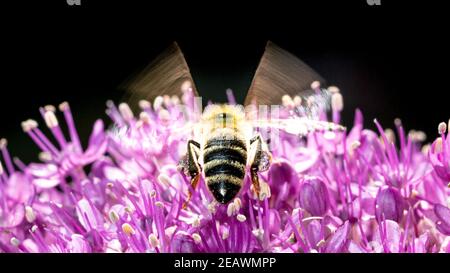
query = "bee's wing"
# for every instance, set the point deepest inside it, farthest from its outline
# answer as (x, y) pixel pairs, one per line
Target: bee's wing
(163, 76)
(279, 73)
(297, 126)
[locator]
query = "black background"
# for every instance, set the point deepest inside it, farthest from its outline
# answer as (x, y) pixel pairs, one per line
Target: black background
(390, 61)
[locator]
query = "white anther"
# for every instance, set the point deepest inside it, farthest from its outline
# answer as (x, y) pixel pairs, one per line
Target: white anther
(50, 108)
(241, 218)
(34, 228)
(15, 242)
(225, 234)
(3, 143)
(50, 119)
(128, 229)
(129, 210)
(170, 231)
(355, 145)
(287, 101)
(390, 135)
(237, 203)
(63, 106)
(157, 103)
(185, 86)
(333, 89)
(152, 193)
(164, 116)
(145, 104)
(113, 216)
(163, 179)
(258, 233)
(125, 111)
(264, 190)
(297, 101)
(144, 117)
(197, 238)
(212, 207)
(154, 242)
(45, 156)
(29, 214)
(175, 100)
(337, 102)
(315, 85)
(197, 221)
(438, 145)
(29, 125)
(167, 101)
(231, 209)
(442, 128)
(320, 243)
(425, 149)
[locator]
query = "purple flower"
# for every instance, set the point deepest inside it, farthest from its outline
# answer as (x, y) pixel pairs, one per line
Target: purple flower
(389, 205)
(443, 216)
(326, 191)
(314, 196)
(439, 154)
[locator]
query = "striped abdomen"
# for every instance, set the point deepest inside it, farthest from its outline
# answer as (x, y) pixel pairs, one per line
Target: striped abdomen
(224, 160)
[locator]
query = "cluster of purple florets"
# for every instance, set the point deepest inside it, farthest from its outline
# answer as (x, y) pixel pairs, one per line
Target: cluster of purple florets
(345, 191)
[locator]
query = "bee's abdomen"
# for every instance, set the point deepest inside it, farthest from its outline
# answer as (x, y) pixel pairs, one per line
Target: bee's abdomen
(224, 165)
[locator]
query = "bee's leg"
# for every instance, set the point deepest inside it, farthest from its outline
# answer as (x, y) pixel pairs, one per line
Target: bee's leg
(193, 167)
(259, 161)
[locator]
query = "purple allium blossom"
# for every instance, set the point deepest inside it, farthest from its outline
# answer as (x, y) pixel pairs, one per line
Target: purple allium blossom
(352, 191)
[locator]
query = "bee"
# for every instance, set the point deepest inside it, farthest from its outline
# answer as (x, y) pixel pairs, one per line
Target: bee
(227, 145)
